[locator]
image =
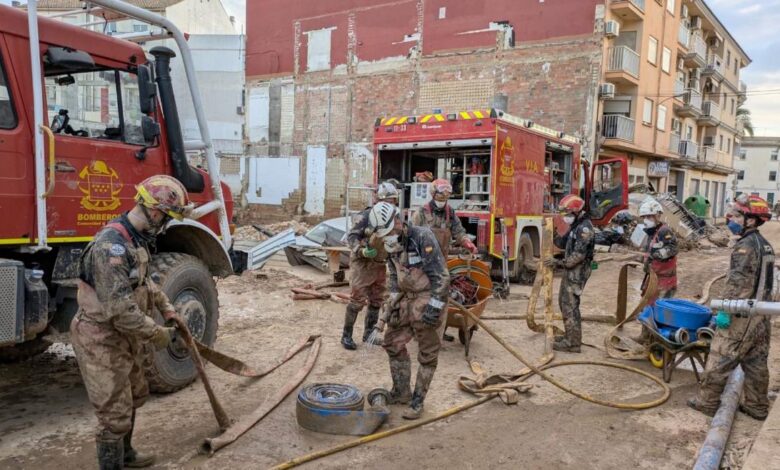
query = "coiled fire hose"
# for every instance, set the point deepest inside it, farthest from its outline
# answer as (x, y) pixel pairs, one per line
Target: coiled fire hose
(534, 371)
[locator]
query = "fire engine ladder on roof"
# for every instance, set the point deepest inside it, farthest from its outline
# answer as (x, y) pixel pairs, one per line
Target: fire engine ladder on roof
(170, 31)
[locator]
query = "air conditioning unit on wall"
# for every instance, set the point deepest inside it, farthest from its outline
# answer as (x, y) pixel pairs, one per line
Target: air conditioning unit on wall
(611, 29)
(607, 91)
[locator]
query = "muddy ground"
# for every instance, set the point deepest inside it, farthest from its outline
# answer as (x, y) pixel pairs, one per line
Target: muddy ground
(46, 420)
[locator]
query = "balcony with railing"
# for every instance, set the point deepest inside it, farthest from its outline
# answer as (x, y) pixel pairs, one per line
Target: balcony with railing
(697, 52)
(688, 149)
(710, 114)
(617, 126)
(712, 156)
(691, 104)
(714, 67)
(623, 65)
(684, 35)
(628, 10)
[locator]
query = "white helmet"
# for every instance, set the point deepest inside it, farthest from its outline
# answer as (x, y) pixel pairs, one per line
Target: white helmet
(382, 218)
(386, 190)
(650, 207)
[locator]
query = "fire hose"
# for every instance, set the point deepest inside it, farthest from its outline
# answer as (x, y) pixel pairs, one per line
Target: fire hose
(233, 430)
(545, 273)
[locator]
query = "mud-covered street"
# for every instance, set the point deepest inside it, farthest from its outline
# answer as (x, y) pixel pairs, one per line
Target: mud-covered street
(47, 422)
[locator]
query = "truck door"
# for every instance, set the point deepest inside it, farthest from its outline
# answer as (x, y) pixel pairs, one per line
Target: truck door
(607, 189)
(99, 144)
(16, 174)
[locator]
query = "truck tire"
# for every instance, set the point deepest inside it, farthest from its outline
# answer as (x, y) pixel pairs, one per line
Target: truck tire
(191, 289)
(518, 272)
(23, 351)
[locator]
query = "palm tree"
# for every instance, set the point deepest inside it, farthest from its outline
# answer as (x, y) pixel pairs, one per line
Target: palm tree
(743, 117)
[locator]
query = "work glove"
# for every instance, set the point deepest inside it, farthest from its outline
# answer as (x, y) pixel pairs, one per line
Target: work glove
(469, 245)
(432, 312)
(368, 252)
(163, 337)
(722, 320)
(553, 263)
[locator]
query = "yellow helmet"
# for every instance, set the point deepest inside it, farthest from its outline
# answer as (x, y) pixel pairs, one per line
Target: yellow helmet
(164, 193)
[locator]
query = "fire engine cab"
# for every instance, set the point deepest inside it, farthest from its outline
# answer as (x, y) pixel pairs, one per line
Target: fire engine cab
(506, 173)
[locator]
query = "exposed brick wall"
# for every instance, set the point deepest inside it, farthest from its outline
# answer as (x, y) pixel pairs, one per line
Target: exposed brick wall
(551, 83)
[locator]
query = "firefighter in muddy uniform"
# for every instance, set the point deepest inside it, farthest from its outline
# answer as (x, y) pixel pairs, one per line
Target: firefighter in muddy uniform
(419, 287)
(367, 265)
(660, 249)
(578, 244)
(742, 340)
(112, 327)
(441, 219)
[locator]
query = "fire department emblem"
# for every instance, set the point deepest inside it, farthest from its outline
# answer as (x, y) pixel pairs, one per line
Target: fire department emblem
(507, 159)
(100, 185)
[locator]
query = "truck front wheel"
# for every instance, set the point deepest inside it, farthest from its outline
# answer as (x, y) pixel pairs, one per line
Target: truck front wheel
(191, 289)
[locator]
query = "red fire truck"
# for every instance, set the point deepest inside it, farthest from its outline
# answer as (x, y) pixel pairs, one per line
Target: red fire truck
(84, 117)
(506, 174)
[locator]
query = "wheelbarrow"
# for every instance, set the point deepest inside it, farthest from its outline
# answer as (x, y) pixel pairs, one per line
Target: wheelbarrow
(669, 347)
(478, 272)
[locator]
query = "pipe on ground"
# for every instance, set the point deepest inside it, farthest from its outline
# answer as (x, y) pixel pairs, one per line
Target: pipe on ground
(714, 445)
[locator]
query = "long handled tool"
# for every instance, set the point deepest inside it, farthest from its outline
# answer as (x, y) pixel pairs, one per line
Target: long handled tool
(501, 291)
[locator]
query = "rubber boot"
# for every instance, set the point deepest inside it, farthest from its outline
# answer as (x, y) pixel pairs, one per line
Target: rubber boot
(110, 451)
(133, 458)
(565, 345)
(694, 403)
(372, 315)
(424, 378)
(753, 414)
(644, 338)
(349, 323)
(401, 372)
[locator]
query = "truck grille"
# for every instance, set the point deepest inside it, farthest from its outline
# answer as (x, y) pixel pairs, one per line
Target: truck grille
(9, 303)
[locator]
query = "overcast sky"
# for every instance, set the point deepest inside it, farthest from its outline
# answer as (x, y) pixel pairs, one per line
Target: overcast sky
(753, 23)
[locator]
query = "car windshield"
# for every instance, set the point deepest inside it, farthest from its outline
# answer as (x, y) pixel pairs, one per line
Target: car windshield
(323, 232)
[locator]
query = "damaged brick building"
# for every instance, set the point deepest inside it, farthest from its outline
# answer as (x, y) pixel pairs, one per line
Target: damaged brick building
(319, 74)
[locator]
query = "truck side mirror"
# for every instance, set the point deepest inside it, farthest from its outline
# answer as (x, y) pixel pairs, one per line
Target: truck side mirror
(147, 90)
(150, 129)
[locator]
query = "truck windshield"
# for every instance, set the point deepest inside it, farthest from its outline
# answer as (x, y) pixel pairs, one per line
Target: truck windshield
(100, 104)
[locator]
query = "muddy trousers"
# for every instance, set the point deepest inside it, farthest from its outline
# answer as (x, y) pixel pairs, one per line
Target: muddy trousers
(569, 302)
(368, 288)
(111, 366)
(404, 325)
(746, 345)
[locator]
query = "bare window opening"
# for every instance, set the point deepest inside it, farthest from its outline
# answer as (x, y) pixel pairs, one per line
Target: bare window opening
(318, 50)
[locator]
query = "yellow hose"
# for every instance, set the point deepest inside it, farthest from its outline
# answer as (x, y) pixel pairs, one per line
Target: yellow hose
(380, 435)
(538, 370)
(534, 371)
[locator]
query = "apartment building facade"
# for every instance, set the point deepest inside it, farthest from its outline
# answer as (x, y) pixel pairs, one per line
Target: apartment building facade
(757, 168)
(670, 96)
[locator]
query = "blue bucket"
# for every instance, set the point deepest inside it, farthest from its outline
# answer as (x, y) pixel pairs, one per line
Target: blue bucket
(679, 313)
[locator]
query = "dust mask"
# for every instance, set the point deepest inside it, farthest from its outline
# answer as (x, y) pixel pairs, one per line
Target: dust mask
(569, 219)
(440, 204)
(648, 223)
(391, 244)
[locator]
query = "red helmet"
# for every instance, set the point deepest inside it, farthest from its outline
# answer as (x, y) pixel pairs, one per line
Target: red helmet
(571, 203)
(441, 186)
(753, 206)
(164, 193)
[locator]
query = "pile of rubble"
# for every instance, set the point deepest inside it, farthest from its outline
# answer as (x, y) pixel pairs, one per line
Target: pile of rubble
(260, 233)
